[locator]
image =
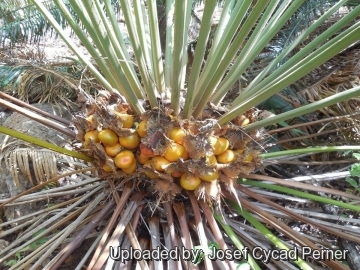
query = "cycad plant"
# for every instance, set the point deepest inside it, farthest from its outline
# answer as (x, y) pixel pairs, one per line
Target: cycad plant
(172, 143)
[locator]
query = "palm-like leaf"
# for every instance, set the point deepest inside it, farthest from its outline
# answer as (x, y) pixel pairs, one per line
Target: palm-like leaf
(21, 21)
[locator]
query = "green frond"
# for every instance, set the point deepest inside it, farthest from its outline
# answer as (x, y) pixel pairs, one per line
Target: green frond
(44, 144)
(21, 21)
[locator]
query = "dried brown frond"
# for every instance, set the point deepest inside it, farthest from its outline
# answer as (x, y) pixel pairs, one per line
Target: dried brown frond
(36, 165)
(49, 83)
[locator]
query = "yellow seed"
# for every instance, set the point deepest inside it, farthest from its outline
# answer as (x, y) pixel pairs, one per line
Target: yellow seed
(189, 181)
(126, 119)
(239, 151)
(245, 122)
(131, 169)
(150, 174)
(130, 142)
(107, 168)
(158, 162)
(108, 137)
(174, 151)
(211, 160)
(146, 151)
(141, 158)
(219, 145)
(223, 146)
(141, 129)
(113, 150)
(242, 120)
(177, 135)
(248, 158)
(226, 157)
(209, 177)
(124, 159)
(92, 135)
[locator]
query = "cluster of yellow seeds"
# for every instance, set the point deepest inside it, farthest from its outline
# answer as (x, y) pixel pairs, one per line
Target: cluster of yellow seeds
(129, 153)
(119, 148)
